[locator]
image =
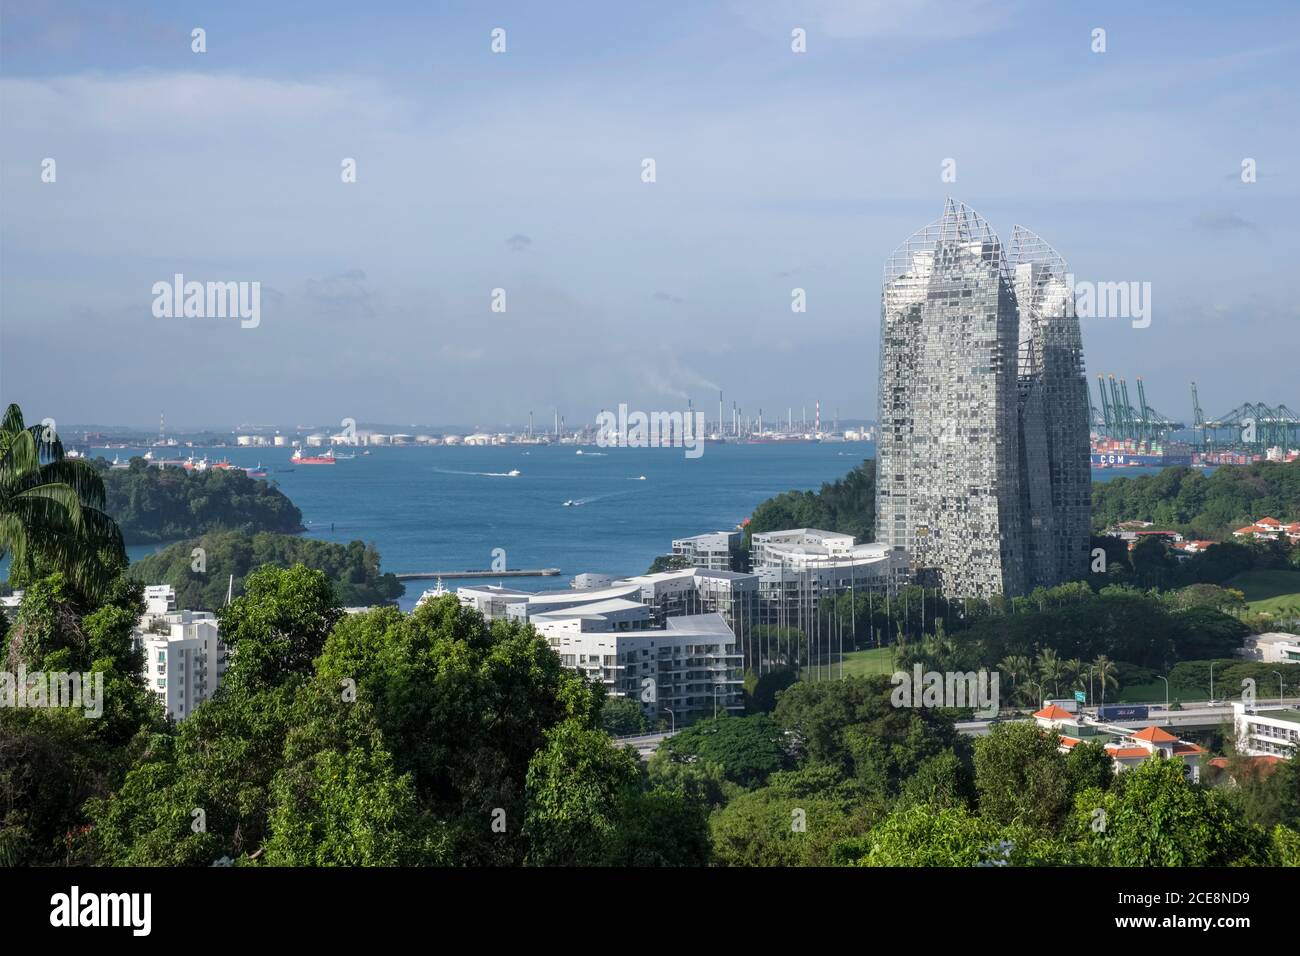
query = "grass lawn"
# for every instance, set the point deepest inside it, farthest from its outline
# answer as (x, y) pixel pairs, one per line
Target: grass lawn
(1269, 592)
(877, 660)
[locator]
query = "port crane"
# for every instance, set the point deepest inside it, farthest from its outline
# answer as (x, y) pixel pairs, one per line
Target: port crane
(1120, 418)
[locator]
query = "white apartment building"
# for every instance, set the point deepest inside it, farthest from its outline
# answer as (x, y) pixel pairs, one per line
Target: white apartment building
(778, 548)
(1266, 731)
(491, 600)
(680, 672)
(797, 568)
(159, 599)
(709, 551)
(184, 659)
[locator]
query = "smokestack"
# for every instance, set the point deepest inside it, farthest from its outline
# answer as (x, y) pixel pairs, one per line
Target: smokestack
(721, 427)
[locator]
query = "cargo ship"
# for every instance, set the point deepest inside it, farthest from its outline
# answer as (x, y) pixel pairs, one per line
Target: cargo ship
(1132, 453)
(298, 458)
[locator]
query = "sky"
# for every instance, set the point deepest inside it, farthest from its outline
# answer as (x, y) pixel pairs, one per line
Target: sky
(523, 171)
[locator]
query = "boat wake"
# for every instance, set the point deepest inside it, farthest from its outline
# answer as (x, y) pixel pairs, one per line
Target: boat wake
(479, 474)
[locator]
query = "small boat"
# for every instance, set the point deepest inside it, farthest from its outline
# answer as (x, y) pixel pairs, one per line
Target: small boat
(339, 457)
(257, 471)
(513, 473)
(578, 452)
(118, 464)
(640, 477)
(568, 504)
(366, 452)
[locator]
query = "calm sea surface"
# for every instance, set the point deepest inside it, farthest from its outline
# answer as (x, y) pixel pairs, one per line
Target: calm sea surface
(446, 509)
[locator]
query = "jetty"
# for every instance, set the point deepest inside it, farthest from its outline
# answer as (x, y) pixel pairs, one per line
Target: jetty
(430, 575)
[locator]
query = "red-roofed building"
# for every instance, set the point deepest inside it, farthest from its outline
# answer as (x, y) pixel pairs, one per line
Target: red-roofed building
(1269, 529)
(1138, 747)
(1051, 715)
(1245, 767)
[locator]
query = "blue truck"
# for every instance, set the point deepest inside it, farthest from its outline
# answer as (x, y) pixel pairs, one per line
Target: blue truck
(1123, 712)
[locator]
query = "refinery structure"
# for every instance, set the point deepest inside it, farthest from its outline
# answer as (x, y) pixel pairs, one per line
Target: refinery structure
(983, 469)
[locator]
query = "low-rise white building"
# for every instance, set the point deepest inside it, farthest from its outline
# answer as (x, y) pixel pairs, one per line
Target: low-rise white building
(1272, 648)
(1266, 731)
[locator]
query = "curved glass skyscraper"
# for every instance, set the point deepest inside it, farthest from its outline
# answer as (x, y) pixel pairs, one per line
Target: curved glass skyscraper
(983, 469)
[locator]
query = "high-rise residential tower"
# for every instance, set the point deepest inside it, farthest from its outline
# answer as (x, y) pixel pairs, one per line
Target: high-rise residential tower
(982, 475)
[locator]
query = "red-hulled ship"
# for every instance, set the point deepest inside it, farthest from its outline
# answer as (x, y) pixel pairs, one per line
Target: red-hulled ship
(299, 458)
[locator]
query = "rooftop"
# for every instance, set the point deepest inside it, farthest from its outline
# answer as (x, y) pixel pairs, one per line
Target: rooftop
(711, 625)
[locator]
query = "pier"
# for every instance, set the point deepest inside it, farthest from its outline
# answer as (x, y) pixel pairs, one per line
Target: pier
(430, 575)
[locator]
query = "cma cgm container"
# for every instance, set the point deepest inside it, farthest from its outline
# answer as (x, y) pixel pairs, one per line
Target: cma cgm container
(1122, 712)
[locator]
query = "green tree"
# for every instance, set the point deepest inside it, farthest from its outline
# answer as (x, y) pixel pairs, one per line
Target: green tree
(51, 511)
(938, 835)
(852, 726)
(623, 717)
(1103, 672)
(1021, 777)
(1154, 817)
(748, 749)
(577, 787)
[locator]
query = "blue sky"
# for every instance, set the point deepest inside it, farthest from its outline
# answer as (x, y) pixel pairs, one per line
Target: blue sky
(521, 171)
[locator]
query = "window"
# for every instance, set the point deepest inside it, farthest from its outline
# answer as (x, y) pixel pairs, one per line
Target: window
(162, 683)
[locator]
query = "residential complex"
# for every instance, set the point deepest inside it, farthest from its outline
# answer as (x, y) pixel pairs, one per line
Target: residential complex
(716, 616)
(681, 629)
(983, 469)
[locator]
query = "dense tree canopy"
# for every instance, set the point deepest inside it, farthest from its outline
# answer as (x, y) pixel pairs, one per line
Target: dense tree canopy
(167, 504)
(352, 568)
(1204, 506)
(846, 505)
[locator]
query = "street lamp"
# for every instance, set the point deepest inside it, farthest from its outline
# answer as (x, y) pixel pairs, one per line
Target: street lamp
(1166, 680)
(1281, 691)
(1040, 691)
(1211, 682)
(672, 720)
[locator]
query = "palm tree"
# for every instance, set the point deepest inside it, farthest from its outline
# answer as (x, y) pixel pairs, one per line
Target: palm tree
(1074, 673)
(51, 510)
(1050, 669)
(1104, 670)
(1016, 666)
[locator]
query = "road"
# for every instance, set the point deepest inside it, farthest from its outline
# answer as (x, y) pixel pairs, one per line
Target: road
(1194, 714)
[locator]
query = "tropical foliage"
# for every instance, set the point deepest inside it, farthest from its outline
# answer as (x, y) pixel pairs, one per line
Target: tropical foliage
(52, 510)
